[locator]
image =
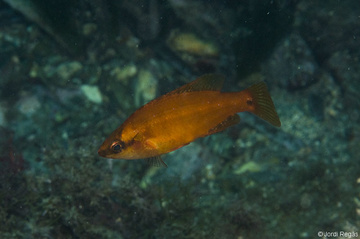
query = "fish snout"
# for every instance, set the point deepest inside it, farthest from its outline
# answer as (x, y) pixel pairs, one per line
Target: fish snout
(102, 152)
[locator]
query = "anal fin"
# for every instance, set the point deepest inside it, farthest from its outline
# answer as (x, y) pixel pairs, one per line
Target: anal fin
(231, 120)
(156, 161)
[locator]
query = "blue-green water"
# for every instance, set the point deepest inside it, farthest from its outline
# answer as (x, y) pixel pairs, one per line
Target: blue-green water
(72, 71)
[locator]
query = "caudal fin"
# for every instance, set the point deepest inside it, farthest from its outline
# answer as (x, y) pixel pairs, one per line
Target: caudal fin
(261, 104)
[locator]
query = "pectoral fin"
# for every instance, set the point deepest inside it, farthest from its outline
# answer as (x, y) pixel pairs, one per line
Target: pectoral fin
(151, 144)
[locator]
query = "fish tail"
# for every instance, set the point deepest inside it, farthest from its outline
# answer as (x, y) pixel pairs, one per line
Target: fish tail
(260, 103)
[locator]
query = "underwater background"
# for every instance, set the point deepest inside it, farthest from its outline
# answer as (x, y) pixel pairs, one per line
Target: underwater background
(71, 71)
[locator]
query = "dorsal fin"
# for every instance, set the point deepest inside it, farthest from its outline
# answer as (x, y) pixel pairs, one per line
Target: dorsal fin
(208, 82)
(231, 120)
(156, 161)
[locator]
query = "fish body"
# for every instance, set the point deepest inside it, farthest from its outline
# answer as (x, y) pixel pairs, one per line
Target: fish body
(194, 110)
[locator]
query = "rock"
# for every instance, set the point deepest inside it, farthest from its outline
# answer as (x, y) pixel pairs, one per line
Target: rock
(251, 167)
(49, 16)
(28, 105)
(189, 43)
(202, 56)
(292, 64)
(345, 68)
(125, 73)
(2, 116)
(146, 87)
(89, 28)
(334, 28)
(92, 93)
(68, 69)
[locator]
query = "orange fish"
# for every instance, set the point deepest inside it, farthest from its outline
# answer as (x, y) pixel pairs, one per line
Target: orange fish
(195, 110)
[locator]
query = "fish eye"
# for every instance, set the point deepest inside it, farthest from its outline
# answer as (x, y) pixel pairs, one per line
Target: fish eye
(117, 146)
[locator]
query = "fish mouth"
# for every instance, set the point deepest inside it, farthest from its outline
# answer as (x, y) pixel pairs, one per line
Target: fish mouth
(105, 153)
(102, 152)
